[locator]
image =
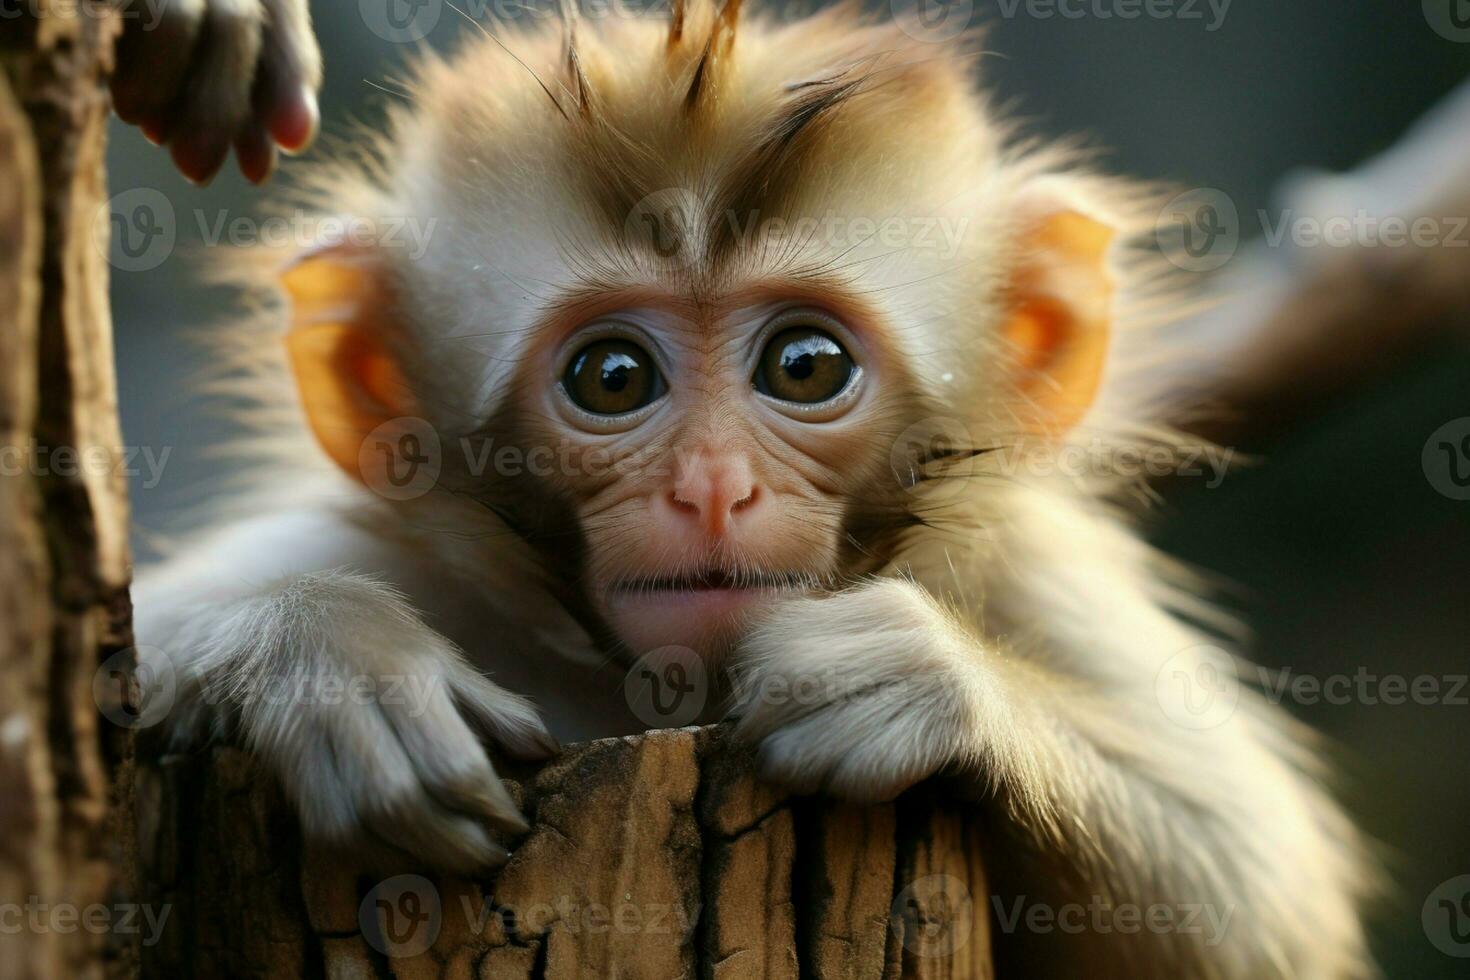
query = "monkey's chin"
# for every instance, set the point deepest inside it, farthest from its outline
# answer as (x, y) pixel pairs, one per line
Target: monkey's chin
(707, 621)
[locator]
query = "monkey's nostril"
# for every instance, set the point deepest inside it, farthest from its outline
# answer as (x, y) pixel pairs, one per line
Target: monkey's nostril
(747, 501)
(679, 503)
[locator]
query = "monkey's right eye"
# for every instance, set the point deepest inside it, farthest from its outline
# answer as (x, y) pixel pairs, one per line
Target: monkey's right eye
(612, 377)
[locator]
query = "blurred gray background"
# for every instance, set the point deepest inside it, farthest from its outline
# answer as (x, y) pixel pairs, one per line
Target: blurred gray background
(1343, 554)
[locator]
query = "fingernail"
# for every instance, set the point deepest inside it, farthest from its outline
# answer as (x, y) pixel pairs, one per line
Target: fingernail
(293, 122)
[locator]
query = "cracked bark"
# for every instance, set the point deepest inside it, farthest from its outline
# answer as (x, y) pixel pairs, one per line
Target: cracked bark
(649, 858)
(63, 550)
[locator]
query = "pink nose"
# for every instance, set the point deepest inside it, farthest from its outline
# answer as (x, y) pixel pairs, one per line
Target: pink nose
(713, 491)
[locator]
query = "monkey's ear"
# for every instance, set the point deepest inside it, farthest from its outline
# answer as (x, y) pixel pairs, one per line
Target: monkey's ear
(1059, 306)
(338, 348)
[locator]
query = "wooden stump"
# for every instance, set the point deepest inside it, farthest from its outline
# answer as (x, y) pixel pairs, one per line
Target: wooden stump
(654, 857)
(63, 507)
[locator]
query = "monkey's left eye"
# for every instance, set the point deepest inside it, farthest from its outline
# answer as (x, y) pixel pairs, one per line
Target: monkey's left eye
(612, 377)
(804, 365)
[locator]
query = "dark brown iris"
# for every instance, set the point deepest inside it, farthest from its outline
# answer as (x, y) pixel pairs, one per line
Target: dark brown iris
(805, 365)
(612, 377)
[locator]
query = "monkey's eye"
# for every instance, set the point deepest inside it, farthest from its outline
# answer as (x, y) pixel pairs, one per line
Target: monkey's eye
(612, 377)
(804, 365)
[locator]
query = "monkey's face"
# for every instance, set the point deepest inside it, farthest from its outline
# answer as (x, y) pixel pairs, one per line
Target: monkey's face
(711, 455)
(708, 305)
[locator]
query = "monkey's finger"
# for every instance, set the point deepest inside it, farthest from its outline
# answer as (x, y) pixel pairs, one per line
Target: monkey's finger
(851, 752)
(384, 788)
(451, 766)
(288, 75)
(508, 720)
(255, 152)
(153, 57)
(432, 834)
(216, 102)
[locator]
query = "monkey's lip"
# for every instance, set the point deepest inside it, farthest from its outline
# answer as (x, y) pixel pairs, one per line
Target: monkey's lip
(715, 580)
(703, 610)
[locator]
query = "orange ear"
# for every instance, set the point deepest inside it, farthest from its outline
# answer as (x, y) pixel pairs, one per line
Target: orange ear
(338, 349)
(1059, 314)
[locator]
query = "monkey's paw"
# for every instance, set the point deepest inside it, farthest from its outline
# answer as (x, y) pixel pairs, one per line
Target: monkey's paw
(859, 695)
(372, 721)
(205, 75)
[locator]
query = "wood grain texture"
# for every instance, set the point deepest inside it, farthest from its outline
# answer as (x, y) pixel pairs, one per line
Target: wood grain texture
(656, 857)
(63, 526)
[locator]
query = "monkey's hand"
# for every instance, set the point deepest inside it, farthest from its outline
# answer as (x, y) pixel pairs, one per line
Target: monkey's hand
(205, 75)
(861, 694)
(372, 721)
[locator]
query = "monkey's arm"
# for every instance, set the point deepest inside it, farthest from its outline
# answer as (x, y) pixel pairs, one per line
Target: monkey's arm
(371, 719)
(206, 75)
(867, 692)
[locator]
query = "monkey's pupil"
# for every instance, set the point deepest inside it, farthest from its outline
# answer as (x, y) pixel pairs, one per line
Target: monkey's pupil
(799, 367)
(612, 377)
(615, 371)
(804, 365)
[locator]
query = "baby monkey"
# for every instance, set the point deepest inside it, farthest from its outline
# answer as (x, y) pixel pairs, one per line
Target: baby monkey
(758, 342)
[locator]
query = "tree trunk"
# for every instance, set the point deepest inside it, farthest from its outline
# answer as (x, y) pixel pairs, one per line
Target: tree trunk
(63, 509)
(649, 858)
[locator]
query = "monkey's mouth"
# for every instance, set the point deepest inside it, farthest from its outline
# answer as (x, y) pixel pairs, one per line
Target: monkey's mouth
(718, 579)
(705, 609)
